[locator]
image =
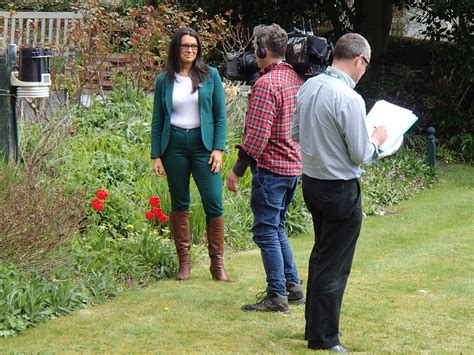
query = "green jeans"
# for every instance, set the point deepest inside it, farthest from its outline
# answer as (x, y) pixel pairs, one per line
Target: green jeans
(186, 156)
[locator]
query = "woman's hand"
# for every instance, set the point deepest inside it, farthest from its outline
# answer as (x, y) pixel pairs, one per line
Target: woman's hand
(158, 167)
(215, 161)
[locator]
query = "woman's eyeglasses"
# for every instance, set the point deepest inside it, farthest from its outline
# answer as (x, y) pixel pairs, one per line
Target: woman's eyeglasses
(186, 47)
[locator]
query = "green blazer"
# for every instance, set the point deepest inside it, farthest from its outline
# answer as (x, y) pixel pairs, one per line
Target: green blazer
(212, 112)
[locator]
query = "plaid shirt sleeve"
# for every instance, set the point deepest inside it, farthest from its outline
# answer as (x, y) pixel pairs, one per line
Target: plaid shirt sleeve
(259, 119)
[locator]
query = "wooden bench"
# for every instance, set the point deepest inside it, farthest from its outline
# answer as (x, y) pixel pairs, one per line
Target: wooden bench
(38, 29)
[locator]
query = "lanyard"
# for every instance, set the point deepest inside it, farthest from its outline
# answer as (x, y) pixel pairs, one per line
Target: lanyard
(335, 75)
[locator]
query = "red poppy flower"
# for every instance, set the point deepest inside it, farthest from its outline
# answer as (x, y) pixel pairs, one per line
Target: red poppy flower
(150, 215)
(163, 218)
(157, 211)
(154, 201)
(101, 194)
(97, 204)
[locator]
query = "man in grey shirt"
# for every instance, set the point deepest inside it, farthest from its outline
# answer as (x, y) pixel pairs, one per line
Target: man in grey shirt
(329, 123)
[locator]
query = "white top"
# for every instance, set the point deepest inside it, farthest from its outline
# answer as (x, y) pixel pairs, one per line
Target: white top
(185, 104)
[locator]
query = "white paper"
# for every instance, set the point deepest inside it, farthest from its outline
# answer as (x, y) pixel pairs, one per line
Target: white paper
(393, 149)
(397, 120)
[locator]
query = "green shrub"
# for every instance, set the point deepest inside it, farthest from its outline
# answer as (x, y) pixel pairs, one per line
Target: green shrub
(37, 220)
(435, 81)
(28, 300)
(107, 265)
(393, 179)
(464, 144)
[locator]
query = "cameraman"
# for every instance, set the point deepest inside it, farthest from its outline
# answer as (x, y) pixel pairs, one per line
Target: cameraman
(275, 161)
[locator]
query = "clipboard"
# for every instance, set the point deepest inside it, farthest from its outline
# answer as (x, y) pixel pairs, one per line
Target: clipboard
(397, 121)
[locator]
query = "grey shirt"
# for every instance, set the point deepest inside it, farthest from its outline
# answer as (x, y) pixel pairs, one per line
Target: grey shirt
(329, 124)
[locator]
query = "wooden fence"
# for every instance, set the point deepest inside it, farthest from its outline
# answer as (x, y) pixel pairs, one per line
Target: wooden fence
(54, 30)
(38, 29)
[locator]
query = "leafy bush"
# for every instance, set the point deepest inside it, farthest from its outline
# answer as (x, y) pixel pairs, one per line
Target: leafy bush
(435, 81)
(37, 219)
(117, 247)
(28, 300)
(394, 179)
(106, 265)
(464, 144)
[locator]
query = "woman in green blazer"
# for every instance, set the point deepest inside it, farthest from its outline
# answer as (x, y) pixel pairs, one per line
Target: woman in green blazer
(188, 134)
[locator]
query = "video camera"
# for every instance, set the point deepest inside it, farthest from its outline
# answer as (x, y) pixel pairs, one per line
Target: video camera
(309, 55)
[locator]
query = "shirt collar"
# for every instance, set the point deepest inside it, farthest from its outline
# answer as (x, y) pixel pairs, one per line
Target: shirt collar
(273, 66)
(349, 81)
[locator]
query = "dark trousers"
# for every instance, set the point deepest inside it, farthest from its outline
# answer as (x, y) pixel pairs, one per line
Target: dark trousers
(336, 208)
(186, 156)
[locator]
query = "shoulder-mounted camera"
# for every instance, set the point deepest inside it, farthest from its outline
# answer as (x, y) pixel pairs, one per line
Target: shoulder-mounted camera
(309, 55)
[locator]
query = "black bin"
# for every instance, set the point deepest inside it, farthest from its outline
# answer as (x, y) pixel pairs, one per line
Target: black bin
(33, 63)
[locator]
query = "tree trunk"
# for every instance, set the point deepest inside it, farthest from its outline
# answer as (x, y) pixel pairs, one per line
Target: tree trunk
(334, 14)
(373, 20)
(246, 9)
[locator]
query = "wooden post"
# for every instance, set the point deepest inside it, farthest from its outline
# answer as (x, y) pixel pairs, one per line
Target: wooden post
(8, 124)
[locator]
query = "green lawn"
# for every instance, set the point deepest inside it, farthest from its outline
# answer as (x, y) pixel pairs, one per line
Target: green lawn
(411, 289)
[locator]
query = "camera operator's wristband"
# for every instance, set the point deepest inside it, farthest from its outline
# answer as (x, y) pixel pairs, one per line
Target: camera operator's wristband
(243, 161)
(240, 167)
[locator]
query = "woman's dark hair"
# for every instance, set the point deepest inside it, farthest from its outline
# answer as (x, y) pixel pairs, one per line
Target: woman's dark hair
(199, 70)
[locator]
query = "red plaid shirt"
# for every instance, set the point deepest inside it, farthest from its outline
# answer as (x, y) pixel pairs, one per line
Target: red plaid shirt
(267, 137)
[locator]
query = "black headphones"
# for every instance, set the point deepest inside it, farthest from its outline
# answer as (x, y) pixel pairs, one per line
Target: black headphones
(261, 50)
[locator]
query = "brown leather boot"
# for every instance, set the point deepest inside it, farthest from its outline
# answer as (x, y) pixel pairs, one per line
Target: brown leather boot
(215, 240)
(182, 240)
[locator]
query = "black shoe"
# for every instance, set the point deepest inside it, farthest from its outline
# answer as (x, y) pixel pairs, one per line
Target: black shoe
(268, 302)
(340, 349)
(295, 293)
(336, 348)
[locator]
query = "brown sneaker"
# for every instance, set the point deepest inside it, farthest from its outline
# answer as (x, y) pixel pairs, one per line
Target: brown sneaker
(295, 293)
(268, 302)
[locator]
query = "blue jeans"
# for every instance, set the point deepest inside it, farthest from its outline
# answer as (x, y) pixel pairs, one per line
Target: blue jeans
(271, 196)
